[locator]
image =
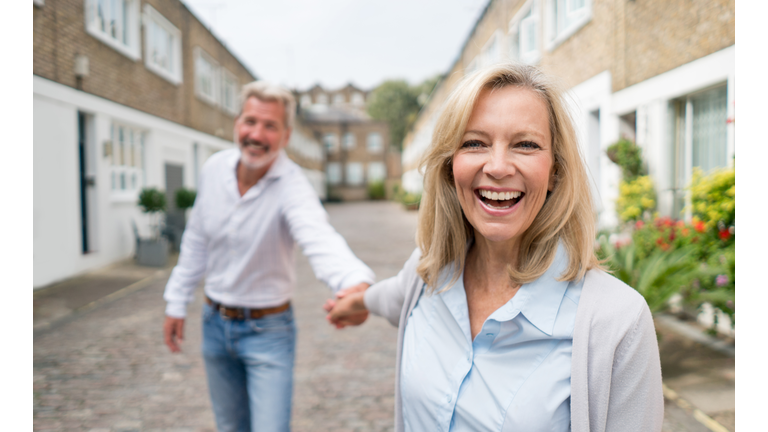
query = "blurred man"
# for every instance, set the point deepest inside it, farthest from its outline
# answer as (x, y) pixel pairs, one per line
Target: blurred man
(253, 203)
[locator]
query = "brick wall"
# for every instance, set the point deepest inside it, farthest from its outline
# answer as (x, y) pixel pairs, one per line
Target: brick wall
(60, 36)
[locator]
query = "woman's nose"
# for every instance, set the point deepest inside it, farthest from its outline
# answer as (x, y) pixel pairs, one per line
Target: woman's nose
(499, 164)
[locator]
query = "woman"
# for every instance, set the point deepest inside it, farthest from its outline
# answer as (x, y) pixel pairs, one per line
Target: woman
(506, 321)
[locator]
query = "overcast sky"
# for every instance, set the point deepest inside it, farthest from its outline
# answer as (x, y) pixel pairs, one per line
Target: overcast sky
(302, 42)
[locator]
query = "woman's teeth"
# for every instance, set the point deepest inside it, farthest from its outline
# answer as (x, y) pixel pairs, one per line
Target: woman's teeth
(503, 200)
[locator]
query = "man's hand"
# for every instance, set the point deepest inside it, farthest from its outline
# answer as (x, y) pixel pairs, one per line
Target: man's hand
(348, 308)
(173, 330)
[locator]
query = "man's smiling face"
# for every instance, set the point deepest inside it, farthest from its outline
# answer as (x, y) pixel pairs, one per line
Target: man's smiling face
(261, 132)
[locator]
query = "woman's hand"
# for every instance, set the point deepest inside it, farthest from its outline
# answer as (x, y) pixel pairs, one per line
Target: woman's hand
(348, 309)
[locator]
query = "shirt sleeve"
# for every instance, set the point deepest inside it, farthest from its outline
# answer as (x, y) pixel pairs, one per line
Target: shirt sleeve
(386, 298)
(332, 261)
(191, 266)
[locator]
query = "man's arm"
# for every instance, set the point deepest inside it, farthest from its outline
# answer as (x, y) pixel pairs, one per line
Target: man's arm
(332, 261)
(185, 276)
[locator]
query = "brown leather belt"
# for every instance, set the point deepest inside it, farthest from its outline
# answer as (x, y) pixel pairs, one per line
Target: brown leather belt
(239, 313)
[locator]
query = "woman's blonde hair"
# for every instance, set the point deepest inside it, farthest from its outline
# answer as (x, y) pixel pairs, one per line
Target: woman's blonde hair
(567, 214)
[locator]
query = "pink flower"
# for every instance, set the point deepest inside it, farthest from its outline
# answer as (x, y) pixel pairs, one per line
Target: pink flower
(721, 280)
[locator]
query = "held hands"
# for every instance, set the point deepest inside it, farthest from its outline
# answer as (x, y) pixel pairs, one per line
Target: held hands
(348, 308)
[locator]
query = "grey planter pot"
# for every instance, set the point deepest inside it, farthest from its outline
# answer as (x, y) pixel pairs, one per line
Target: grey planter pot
(152, 252)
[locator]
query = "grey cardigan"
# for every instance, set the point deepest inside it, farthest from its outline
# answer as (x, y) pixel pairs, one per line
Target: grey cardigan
(615, 368)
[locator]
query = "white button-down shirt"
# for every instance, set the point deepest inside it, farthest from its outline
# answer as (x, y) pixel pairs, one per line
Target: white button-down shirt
(244, 246)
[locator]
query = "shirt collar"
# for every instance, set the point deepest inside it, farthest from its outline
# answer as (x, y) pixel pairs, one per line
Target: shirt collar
(539, 301)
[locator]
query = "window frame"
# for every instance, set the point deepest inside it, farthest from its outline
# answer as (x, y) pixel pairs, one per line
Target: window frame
(515, 33)
(226, 75)
(577, 20)
(376, 164)
(368, 143)
(333, 137)
(357, 168)
(139, 144)
(336, 168)
(213, 99)
(349, 141)
(130, 49)
(152, 16)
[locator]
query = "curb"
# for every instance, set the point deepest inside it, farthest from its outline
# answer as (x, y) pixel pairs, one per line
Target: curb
(699, 415)
(44, 326)
(695, 334)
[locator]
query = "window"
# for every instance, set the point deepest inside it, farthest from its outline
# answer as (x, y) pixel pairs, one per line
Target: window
(331, 142)
(374, 143)
(699, 136)
(162, 47)
(116, 23)
(565, 18)
(349, 141)
(524, 34)
(358, 99)
(306, 100)
(322, 99)
(127, 167)
(229, 90)
(206, 77)
(333, 173)
(354, 173)
(338, 99)
(377, 171)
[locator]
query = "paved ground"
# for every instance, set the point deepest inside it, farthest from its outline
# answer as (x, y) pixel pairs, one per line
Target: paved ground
(104, 367)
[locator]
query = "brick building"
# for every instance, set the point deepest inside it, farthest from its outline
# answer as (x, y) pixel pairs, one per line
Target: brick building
(356, 147)
(127, 94)
(661, 73)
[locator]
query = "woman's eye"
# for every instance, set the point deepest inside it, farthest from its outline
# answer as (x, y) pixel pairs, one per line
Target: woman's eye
(528, 145)
(471, 144)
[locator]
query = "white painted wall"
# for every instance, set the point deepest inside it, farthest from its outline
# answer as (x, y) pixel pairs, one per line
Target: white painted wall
(56, 193)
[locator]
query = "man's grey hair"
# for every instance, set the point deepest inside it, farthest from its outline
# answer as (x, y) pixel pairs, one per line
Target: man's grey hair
(268, 92)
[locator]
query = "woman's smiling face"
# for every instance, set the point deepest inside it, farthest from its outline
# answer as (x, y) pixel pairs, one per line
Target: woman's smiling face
(503, 167)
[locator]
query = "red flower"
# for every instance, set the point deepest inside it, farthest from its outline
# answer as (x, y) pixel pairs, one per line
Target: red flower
(685, 232)
(699, 226)
(680, 224)
(672, 235)
(639, 224)
(664, 246)
(724, 235)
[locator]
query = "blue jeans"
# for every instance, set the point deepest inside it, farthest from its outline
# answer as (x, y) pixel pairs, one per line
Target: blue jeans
(249, 364)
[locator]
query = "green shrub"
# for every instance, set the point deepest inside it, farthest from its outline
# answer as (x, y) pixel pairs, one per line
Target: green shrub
(628, 156)
(151, 200)
(185, 198)
(376, 190)
(636, 197)
(656, 277)
(713, 197)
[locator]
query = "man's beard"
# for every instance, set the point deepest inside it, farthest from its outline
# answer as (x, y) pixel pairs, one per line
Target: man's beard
(261, 161)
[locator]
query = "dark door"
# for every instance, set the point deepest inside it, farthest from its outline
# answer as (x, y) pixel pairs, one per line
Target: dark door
(174, 180)
(84, 180)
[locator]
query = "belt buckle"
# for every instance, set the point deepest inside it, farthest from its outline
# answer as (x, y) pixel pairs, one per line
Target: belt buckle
(222, 312)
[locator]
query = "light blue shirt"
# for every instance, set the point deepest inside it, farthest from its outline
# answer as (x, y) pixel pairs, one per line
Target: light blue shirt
(515, 375)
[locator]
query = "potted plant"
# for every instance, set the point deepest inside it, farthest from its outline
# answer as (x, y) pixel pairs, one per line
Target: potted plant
(152, 251)
(185, 199)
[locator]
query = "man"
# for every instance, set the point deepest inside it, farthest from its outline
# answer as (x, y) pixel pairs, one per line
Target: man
(252, 204)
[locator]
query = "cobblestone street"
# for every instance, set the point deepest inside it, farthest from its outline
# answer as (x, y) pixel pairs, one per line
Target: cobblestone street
(108, 369)
(104, 368)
